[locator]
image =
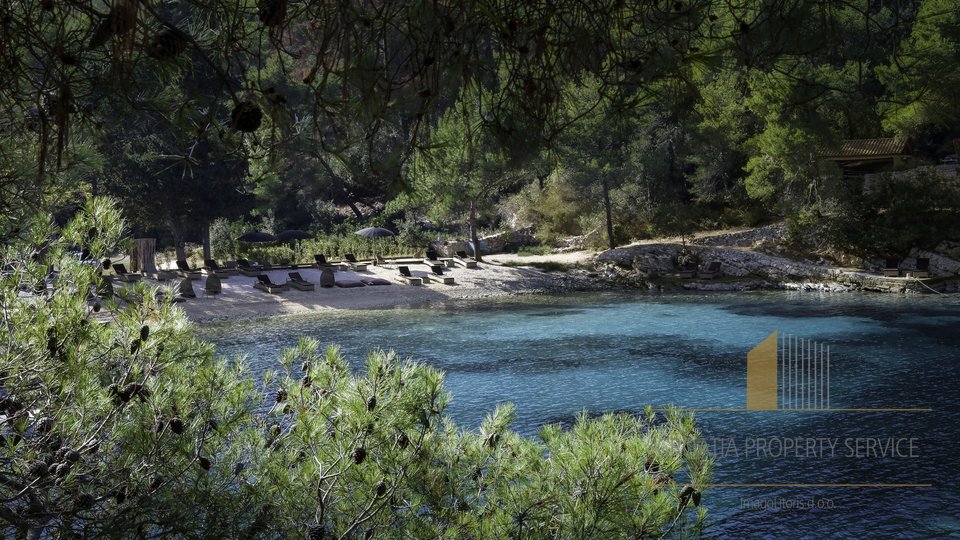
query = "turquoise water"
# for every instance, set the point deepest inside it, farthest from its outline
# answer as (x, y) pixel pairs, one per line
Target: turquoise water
(555, 356)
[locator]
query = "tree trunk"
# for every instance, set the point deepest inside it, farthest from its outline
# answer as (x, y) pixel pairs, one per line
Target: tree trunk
(608, 212)
(205, 232)
(179, 243)
(145, 253)
(474, 237)
(356, 211)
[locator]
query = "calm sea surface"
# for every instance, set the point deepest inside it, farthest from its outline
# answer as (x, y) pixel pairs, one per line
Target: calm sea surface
(555, 356)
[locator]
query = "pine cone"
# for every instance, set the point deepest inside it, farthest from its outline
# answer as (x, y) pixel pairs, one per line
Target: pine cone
(133, 390)
(372, 403)
(176, 425)
(144, 332)
(119, 21)
(39, 469)
(246, 117)
(316, 532)
(167, 44)
(272, 12)
(84, 501)
(359, 454)
(204, 463)
(61, 469)
(281, 395)
(44, 424)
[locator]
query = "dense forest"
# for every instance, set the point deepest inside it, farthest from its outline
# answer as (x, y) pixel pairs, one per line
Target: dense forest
(613, 119)
(195, 120)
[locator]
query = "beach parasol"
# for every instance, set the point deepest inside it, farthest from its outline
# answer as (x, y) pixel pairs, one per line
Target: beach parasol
(294, 234)
(374, 232)
(257, 236)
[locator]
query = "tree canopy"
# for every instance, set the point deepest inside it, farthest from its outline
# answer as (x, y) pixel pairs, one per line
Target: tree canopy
(335, 100)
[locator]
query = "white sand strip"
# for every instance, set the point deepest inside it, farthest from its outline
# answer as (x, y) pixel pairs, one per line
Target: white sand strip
(239, 299)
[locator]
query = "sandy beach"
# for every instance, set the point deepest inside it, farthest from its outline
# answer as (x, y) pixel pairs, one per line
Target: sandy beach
(240, 300)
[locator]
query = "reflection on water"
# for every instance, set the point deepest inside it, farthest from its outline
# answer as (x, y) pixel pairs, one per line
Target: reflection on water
(556, 356)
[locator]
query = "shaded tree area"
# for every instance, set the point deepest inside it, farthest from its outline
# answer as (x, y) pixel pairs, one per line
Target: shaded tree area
(183, 191)
(333, 102)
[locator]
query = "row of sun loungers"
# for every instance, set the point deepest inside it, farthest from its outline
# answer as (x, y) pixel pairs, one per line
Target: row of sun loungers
(214, 273)
(327, 280)
(892, 268)
(252, 269)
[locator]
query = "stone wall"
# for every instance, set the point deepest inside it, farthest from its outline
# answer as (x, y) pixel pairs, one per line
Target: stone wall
(662, 258)
(450, 249)
(508, 241)
(749, 238)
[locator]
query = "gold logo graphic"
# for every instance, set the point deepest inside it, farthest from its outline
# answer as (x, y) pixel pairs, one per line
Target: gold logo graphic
(787, 372)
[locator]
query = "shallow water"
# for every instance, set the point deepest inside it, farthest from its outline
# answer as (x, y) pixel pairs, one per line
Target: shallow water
(555, 356)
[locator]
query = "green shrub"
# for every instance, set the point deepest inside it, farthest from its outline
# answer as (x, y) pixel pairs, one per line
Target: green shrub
(124, 424)
(896, 213)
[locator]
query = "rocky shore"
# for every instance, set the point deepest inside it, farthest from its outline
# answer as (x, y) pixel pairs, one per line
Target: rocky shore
(655, 267)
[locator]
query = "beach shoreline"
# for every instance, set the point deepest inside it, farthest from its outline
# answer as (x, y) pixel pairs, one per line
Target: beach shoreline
(239, 300)
(512, 275)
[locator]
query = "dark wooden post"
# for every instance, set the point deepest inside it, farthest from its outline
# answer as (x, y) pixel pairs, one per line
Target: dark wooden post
(142, 255)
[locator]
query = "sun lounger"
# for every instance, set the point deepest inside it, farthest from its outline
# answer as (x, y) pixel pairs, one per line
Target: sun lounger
(327, 278)
(211, 267)
(322, 263)
(264, 284)
(297, 282)
(212, 285)
(892, 267)
(433, 258)
(349, 283)
(354, 264)
(405, 261)
(123, 275)
(250, 270)
(688, 271)
(438, 276)
(162, 275)
(463, 260)
(374, 281)
(409, 278)
(923, 268)
(712, 271)
(183, 268)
